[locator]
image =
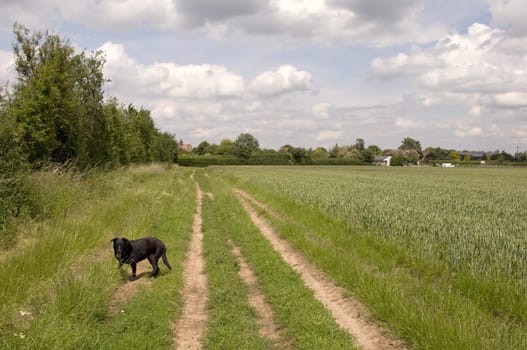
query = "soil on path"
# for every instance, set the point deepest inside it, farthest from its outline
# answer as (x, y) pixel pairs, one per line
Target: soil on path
(190, 327)
(128, 290)
(350, 314)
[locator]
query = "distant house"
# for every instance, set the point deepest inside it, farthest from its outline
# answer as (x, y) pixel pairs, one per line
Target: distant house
(382, 160)
(185, 147)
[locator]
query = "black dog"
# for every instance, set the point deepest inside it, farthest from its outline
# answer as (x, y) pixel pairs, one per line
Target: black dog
(133, 251)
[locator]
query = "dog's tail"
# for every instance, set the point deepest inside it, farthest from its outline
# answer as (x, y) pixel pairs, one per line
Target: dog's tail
(165, 260)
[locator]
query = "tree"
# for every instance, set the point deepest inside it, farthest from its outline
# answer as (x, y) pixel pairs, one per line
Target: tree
(226, 147)
(202, 149)
(144, 127)
(454, 155)
(375, 150)
(359, 145)
(165, 148)
(320, 153)
(408, 144)
(355, 154)
(246, 144)
(436, 153)
(300, 155)
(57, 97)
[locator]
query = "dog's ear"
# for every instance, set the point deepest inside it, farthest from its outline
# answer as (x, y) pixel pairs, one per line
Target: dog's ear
(114, 240)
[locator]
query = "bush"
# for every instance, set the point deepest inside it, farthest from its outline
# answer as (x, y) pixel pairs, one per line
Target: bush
(258, 159)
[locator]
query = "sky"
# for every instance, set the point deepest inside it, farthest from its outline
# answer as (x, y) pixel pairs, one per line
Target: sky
(308, 73)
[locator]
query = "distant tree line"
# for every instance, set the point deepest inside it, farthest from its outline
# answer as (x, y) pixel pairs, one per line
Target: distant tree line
(245, 150)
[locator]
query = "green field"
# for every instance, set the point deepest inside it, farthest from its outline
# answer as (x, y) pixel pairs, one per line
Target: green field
(439, 256)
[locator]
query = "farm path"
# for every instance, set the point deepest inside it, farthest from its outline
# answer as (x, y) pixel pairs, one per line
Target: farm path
(350, 314)
(190, 327)
(268, 328)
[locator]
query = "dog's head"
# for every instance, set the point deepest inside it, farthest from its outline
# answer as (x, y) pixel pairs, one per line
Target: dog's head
(122, 248)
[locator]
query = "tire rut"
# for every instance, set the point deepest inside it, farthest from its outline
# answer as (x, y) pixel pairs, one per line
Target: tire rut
(349, 314)
(190, 327)
(267, 327)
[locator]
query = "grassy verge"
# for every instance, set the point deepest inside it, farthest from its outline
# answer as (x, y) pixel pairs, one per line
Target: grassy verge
(304, 321)
(55, 291)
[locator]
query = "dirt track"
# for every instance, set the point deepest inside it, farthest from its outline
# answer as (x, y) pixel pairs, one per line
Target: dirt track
(190, 327)
(348, 313)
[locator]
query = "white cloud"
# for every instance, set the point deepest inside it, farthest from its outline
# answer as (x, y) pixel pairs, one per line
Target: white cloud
(329, 135)
(481, 66)
(327, 21)
(475, 111)
(392, 12)
(509, 13)
(402, 65)
(285, 79)
(512, 99)
(321, 110)
(253, 106)
(7, 67)
(463, 131)
(520, 134)
(121, 15)
(405, 123)
(203, 81)
(204, 134)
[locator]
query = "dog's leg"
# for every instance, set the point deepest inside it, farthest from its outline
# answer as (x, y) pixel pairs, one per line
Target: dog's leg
(134, 269)
(153, 261)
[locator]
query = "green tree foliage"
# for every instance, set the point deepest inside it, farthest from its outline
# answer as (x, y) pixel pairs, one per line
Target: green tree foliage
(202, 149)
(501, 156)
(226, 148)
(320, 153)
(359, 145)
(246, 144)
(44, 99)
(165, 148)
(12, 166)
(59, 111)
(436, 153)
(454, 155)
(408, 144)
(375, 150)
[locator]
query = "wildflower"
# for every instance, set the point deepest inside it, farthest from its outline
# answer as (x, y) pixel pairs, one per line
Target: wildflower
(24, 313)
